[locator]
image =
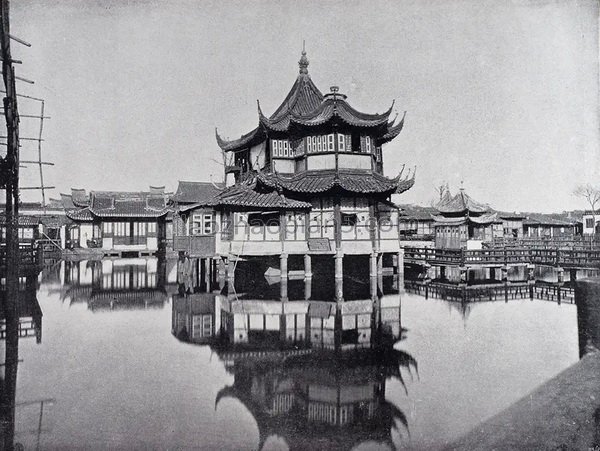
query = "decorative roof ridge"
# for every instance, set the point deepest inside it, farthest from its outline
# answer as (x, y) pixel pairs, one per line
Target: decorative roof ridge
(227, 145)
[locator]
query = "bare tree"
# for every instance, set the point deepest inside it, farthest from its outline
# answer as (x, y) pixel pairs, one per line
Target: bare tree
(442, 189)
(591, 194)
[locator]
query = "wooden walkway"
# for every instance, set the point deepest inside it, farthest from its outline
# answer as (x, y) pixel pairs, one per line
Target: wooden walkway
(506, 256)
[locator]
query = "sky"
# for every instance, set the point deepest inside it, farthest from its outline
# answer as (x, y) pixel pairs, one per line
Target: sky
(500, 95)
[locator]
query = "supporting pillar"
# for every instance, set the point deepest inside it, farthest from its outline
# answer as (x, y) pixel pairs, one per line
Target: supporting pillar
(400, 263)
(561, 275)
(373, 265)
(307, 288)
(283, 290)
(464, 272)
(222, 270)
(492, 273)
(230, 269)
(504, 273)
(339, 265)
(283, 266)
(428, 271)
(380, 264)
(572, 275)
(339, 290)
(307, 266)
(207, 278)
(373, 286)
(531, 272)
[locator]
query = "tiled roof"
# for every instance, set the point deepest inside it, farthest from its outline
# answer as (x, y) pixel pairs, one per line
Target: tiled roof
(461, 202)
(349, 180)
(331, 106)
(255, 136)
(303, 98)
(120, 204)
(484, 219)
(393, 130)
(416, 213)
(24, 220)
(79, 197)
(138, 208)
(197, 192)
(67, 201)
(305, 105)
(246, 196)
(82, 215)
(540, 219)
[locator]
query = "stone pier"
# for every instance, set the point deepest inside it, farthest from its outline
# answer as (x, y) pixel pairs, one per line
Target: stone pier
(563, 413)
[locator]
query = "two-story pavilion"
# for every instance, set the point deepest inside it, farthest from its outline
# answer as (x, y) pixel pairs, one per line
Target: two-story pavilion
(309, 180)
(463, 223)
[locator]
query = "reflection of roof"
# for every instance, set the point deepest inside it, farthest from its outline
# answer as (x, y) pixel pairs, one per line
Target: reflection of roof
(339, 371)
(197, 192)
(127, 300)
(460, 203)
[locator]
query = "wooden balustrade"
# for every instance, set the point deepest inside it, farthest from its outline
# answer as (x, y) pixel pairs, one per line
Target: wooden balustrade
(566, 258)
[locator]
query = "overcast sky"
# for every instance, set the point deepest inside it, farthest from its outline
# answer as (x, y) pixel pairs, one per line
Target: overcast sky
(502, 95)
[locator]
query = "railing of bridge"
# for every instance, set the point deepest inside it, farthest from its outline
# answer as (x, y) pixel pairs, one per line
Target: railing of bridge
(571, 242)
(566, 258)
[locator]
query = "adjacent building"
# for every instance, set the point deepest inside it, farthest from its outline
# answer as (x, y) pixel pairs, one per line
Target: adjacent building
(119, 223)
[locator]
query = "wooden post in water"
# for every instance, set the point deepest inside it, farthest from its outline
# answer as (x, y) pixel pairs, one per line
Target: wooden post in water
(307, 266)
(339, 265)
(9, 177)
(283, 266)
(373, 265)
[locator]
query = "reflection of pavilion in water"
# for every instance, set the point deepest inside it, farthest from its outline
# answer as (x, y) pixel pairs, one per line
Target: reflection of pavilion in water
(111, 284)
(29, 311)
(311, 372)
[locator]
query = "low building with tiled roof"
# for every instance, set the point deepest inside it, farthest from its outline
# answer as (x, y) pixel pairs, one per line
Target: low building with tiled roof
(117, 221)
(309, 179)
(537, 225)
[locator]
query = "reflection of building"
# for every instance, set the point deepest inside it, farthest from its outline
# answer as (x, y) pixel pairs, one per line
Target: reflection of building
(312, 373)
(119, 284)
(29, 311)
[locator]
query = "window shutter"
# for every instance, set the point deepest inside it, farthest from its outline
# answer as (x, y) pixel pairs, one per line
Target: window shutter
(330, 139)
(341, 143)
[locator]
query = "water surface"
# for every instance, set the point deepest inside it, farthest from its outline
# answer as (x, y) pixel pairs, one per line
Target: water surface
(128, 360)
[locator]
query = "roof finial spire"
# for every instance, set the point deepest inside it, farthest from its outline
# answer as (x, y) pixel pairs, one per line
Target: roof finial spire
(303, 63)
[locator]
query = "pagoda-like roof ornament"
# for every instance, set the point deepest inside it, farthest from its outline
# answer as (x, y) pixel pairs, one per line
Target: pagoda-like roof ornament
(303, 63)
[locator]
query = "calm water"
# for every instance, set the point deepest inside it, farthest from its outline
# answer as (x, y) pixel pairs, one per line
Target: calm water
(126, 360)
